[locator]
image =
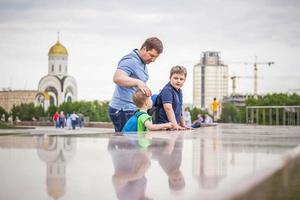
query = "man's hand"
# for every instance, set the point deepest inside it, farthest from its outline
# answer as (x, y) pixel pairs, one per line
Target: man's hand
(142, 86)
(122, 79)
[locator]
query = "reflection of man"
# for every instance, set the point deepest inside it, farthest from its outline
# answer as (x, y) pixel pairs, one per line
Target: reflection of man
(170, 161)
(130, 164)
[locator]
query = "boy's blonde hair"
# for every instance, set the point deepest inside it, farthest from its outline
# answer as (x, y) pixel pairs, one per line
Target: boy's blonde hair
(178, 70)
(139, 98)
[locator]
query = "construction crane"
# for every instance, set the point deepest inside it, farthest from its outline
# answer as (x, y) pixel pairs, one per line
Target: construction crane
(233, 78)
(255, 64)
(294, 90)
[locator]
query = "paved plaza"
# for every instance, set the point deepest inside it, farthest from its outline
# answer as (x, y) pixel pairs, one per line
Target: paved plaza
(227, 161)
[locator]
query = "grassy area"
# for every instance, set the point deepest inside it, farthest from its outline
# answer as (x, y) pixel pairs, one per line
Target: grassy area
(6, 126)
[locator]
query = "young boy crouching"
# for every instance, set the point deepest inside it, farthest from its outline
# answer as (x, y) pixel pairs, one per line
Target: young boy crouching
(170, 100)
(144, 121)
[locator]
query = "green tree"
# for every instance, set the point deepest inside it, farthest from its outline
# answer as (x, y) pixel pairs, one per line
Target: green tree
(230, 113)
(51, 110)
(275, 99)
(196, 111)
(68, 107)
(103, 112)
(2, 111)
(93, 109)
(26, 112)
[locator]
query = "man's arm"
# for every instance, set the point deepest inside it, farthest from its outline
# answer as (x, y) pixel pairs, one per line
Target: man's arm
(122, 79)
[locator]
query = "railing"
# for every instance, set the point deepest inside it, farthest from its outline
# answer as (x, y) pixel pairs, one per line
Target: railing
(273, 115)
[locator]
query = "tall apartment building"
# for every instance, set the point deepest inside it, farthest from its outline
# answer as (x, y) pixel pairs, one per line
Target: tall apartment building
(210, 80)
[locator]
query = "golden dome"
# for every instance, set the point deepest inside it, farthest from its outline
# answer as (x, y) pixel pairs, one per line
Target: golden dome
(58, 48)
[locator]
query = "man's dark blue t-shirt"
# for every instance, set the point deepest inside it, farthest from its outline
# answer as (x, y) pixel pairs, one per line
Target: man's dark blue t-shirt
(169, 95)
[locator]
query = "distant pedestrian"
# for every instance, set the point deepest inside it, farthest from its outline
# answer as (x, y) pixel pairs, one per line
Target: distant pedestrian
(80, 120)
(56, 119)
(187, 117)
(208, 119)
(74, 118)
(69, 122)
(62, 119)
(198, 122)
(215, 108)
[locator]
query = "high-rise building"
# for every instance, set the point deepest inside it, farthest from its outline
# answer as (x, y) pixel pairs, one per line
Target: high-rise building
(210, 80)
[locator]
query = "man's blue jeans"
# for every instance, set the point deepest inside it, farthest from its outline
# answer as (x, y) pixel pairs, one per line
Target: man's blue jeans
(56, 123)
(119, 117)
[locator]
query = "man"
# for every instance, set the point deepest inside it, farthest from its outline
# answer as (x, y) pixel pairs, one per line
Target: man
(132, 74)
(56, 119)
(215, 107)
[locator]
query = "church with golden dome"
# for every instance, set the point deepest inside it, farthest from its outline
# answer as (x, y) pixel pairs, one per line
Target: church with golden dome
(53, 89)
(57, 86)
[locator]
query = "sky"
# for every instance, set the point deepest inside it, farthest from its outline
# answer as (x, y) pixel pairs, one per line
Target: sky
(97, 34)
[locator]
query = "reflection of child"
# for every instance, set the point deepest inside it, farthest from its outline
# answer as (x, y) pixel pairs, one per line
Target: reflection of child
(144, 122)
(170, 162)
(130, 164)
(169, 102)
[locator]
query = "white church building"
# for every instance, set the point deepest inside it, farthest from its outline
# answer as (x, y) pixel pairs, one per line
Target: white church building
(57, 86)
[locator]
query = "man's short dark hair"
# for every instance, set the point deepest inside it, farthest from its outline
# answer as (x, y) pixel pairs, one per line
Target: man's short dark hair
(153, 43)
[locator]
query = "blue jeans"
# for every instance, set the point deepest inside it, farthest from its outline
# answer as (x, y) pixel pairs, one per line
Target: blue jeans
(119, 117)
(56, 123)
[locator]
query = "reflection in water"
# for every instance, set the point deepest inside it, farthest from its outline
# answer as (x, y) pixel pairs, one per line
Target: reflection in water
(131, 160)
(219, 157)
(56, 152)
(209, 161)
(168, 152)
(209, 164)
(130, 164)
(284, 184)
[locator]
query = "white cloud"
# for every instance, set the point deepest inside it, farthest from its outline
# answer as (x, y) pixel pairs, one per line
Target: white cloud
(98, 33)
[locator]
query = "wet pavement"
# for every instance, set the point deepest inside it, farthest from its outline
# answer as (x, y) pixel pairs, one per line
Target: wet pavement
(221, 162)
